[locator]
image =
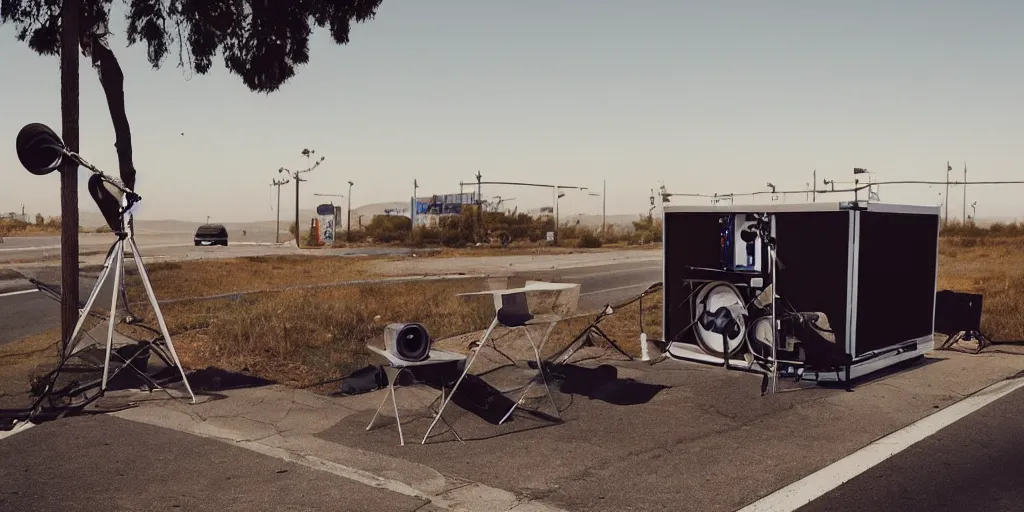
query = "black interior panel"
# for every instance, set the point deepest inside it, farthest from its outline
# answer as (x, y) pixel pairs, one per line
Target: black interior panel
(896, 275)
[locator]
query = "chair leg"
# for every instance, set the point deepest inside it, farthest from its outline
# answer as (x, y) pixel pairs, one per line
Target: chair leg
(541, 372)
(469, 363)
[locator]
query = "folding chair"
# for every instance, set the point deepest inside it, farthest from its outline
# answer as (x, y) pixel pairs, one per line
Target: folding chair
(511, 310)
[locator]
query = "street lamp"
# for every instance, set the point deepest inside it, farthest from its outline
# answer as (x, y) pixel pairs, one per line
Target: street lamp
(974, 212)
(348, 220)
(771, 186)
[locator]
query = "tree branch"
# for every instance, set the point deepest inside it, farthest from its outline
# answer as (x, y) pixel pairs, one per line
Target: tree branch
(112, 79)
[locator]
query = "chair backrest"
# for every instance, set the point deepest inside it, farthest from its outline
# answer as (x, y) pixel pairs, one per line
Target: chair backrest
(514, 310)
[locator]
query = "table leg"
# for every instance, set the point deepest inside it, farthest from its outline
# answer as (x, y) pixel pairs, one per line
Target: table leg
(541, 371)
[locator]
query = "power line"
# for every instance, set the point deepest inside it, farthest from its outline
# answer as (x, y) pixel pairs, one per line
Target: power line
(856, 188)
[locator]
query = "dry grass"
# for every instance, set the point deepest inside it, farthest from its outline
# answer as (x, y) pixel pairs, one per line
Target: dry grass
(173, 280)
(25, 359)
(994, 267)
(300, 337)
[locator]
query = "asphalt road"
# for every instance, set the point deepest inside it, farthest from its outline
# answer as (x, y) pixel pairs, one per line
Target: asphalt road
(606, 284)
(105, 463)
(973, 464)
(25, 312)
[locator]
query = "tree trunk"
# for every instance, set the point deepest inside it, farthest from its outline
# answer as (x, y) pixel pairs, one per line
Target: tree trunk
(112, 80)
(69, 170)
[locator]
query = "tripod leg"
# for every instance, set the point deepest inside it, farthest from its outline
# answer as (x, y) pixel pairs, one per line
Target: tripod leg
(118, 265)
(159, 316)
(601, 333)
(69, 345)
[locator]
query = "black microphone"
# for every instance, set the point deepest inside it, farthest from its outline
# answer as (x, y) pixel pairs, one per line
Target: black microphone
(39, 149)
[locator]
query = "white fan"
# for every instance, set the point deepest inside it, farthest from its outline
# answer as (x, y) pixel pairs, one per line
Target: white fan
(712, 297)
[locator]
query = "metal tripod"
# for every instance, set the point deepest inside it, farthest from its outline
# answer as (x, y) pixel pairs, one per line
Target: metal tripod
(115, 263)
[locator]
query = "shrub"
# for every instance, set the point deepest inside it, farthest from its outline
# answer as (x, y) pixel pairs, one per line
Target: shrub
(389, 228)
(588, 240)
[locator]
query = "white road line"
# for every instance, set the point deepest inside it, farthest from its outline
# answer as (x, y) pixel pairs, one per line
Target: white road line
(19, 292)
(609, 290)
(813, 486)
(19, 428)
(612, 272)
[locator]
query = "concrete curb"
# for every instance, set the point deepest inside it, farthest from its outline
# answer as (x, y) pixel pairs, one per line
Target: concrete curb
(15, 285)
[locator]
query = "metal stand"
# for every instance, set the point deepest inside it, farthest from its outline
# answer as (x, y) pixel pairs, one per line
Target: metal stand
(588, 335)
(541, 373)
(982, 340)
(115, 263)
(393, 373)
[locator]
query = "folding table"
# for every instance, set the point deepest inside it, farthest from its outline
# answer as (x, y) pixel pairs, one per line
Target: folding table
(512, 311)
(395, 367)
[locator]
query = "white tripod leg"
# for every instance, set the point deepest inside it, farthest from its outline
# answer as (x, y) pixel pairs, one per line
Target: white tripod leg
(69, 345)
(159, 315)
(118, 263)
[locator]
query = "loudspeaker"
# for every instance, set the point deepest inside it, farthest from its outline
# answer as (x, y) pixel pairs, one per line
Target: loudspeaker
(956, 312)
(108, 198)
(39, 149)
(408, 342)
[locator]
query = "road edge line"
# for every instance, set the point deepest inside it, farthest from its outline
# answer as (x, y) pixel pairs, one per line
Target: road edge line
(819, 483)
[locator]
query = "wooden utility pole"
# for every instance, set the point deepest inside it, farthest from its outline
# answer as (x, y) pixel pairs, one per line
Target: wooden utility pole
(479, 207)
(604, 205)
(69, 89)
(348, 216)
(945, 220)
(965, 193)
(295, 176)
(275, 183)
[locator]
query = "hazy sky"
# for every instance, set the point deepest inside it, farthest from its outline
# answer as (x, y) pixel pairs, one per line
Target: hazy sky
(715, 96)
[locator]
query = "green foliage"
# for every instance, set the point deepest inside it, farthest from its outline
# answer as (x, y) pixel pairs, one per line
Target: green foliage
(389, 228)
(647, 230)
(262, 42)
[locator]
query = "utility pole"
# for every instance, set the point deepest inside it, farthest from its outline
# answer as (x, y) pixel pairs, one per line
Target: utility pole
(480, 206)
(814, 191)
(69, 112)
(965, 193)
(945, 220)
(604, 204)
(557, 197)
(348, 220)
(295, 176)
(275, 183)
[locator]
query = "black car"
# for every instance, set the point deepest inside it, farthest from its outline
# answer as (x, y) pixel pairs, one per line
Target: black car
(211, 234)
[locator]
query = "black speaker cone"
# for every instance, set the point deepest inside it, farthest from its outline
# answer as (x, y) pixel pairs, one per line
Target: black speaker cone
(39, 149)
(412, 342)
(108, 198)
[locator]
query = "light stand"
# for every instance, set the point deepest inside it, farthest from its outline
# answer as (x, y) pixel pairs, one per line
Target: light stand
(41, 151)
